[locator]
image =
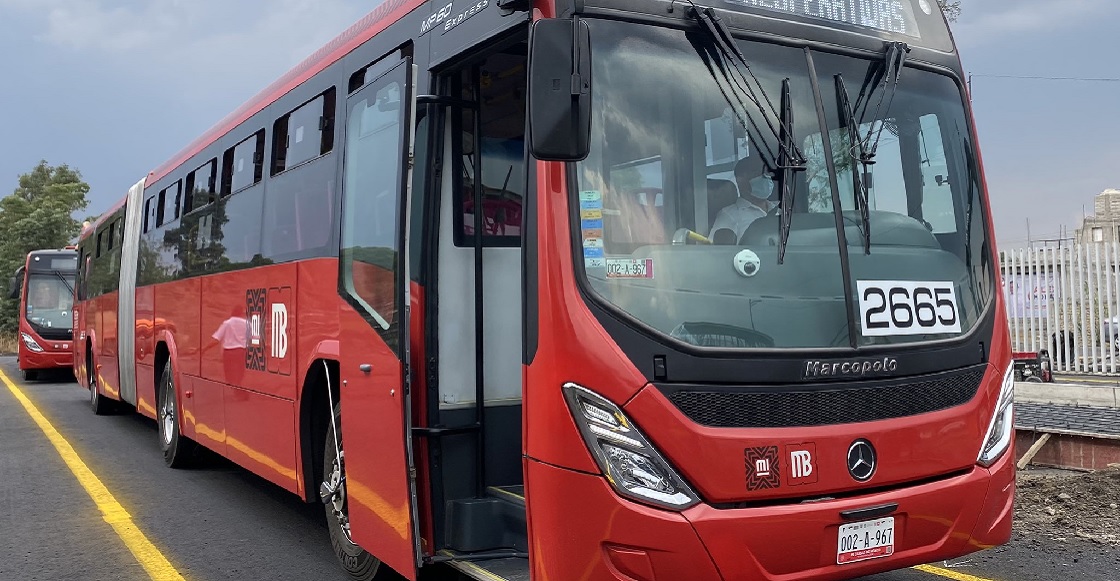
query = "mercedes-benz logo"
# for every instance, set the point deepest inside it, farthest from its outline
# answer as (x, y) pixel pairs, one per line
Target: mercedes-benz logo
(861, 460)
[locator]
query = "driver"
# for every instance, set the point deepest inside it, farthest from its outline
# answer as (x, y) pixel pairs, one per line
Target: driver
(755, 186)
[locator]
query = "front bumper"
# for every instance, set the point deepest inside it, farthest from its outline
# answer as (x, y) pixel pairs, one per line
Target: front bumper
(30, 360)
(581, 529)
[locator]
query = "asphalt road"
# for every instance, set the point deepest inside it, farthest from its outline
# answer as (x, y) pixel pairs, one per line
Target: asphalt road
(218, 521)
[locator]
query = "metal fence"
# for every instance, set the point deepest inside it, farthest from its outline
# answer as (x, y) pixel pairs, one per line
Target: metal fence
(1065, 300)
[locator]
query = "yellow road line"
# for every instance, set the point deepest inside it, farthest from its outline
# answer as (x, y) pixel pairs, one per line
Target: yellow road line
(153, 561)
(948, 573)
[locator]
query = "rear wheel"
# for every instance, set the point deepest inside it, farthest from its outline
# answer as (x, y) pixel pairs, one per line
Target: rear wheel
(100, 404)
(29, 374)
(357, 562)
(178, 450)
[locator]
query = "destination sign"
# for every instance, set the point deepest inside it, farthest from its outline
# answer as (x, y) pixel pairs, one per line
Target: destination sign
(893, 16)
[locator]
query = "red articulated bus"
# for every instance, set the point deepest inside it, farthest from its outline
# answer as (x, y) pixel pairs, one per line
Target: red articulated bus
(610, 289)
(44, 286)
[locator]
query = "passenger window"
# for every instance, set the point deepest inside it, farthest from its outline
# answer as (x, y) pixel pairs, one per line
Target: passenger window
(304, 134)
(160, 201)
(150, 214)
(170, 201)
(368, 73)
(200, 186)
(242, 164)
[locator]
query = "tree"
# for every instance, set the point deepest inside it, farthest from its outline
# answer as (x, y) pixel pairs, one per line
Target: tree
(951, 8)
(38, 214)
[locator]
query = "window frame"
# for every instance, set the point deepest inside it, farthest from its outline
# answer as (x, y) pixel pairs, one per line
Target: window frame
(190, 187)
(229, 158)
(281, 138)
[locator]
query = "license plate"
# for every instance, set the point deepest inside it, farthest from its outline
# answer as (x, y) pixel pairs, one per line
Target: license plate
(861, 541)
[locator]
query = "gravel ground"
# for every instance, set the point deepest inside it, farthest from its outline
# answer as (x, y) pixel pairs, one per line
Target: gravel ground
(1065, 505)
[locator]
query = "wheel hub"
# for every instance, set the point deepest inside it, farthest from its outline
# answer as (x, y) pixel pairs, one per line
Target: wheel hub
(167, 418)
(333, 492)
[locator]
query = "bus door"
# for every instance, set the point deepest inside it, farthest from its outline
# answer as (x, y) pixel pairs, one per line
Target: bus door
(374, 320)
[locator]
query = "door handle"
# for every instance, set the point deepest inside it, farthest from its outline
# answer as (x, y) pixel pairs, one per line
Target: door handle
(365, 367)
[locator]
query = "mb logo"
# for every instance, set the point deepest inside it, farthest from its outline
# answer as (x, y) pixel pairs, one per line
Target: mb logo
(279, 331)
(801, 463)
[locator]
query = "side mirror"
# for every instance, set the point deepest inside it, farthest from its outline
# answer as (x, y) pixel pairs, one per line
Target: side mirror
(560, 90)
(16, 286)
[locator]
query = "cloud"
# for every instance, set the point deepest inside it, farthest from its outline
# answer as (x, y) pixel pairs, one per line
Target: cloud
(984, 23)
(197, 46)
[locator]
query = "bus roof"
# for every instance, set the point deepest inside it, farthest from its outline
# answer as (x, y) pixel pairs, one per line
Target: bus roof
(35, 259)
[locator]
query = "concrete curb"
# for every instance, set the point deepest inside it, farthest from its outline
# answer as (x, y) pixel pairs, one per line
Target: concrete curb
(1066, 394)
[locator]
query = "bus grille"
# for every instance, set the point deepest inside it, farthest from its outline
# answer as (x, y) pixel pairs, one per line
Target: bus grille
(827, 404)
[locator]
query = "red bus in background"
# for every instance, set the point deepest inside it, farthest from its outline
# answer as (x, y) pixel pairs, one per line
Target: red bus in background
(44, 286)
(610, 289)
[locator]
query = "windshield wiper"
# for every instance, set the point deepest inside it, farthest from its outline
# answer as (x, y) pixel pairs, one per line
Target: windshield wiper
(64, 281)
(861, 155)
(865, 148)
(789, 157)
(786, 167)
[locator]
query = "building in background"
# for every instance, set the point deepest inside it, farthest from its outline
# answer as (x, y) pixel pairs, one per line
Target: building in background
(1104, 225)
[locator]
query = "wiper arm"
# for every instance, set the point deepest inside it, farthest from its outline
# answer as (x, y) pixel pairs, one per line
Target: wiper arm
(734, 60)
(894, 58)
(860, 155)
(789, 159)
(64, 281)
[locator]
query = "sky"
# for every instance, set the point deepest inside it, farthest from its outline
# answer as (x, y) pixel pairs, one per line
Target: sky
(114, 88)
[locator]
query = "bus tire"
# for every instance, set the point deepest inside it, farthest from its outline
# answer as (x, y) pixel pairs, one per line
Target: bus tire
(100, 404)
(356, 561)
(178, 450)
(29, 374)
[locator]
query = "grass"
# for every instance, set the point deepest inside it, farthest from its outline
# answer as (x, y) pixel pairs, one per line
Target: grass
(9, 343)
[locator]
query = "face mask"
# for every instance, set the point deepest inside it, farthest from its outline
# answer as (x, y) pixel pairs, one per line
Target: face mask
(762, 187)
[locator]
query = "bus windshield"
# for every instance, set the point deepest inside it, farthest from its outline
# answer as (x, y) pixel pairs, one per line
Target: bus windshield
(50, 300)
(678, 208)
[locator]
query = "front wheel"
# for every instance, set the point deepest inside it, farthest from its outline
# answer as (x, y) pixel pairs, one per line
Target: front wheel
(29, 374)
(178, 450)
(356, 561)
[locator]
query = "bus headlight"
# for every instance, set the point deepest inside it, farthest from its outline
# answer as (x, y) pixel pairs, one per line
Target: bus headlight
(631, 464)
(999, 430)
(30, 343)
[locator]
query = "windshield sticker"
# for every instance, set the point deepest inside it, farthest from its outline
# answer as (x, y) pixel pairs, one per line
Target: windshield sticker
(595, 262)
(591, 196)
(629, 267)
(592, 214)
(893, 308)
(593, 253)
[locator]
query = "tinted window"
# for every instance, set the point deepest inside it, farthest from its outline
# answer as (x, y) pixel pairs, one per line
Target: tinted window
(170, 201)
(200, 186)
(242, 164)
(305, 133)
